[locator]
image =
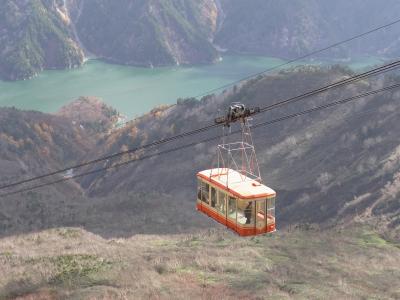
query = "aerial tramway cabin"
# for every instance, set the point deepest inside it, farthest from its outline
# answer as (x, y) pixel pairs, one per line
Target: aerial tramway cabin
(242, 204)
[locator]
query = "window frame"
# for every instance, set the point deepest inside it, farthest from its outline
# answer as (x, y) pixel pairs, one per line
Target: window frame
(271, 209)
(213, 196)
(205, 187)
(199, 189)
(244, 211)
(263, 211)
(230, 200)
(223, 201)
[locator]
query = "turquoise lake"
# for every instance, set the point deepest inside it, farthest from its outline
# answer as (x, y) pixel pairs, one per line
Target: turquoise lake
(131, 90)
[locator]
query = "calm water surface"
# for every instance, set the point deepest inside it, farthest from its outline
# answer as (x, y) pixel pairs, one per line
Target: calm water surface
(134, 91)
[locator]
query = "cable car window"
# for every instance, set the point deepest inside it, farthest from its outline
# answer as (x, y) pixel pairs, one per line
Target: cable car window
(199, 189)
(221, 202)
(271, 202)
(261, 215)
(232, 208)
(261, 208)
(213, 197)
(271, 210)
(245, 212)
(205, 194)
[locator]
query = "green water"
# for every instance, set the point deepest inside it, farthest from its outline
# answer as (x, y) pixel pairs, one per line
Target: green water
(133, 91)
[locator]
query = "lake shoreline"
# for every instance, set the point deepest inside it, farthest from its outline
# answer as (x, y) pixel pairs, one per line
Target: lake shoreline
(134, 91)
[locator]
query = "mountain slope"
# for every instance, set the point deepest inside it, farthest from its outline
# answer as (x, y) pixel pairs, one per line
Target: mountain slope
(149, 33)
(48, 34)
(327, 166)
(33, 143)
(35, 35)
(288, 29)
(186, 32)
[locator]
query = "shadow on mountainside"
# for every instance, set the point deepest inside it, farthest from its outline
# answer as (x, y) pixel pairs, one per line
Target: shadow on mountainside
(118, 215)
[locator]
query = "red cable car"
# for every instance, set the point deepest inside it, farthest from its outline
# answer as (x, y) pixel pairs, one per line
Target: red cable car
(234, 196)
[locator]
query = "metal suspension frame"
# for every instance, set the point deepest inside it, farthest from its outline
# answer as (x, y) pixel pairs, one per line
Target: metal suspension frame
(239, 155)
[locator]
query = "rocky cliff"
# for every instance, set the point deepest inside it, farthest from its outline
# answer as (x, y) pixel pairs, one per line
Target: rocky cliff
(288, 29)
(149, 33)
(48, 34)
(35, 35)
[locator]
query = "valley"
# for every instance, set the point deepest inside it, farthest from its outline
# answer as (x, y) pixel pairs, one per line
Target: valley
(150, 191)
(134, 91)
(134, 231)
(107, 113)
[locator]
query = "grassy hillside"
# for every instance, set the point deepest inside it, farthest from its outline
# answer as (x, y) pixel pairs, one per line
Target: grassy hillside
(35, 35)
(305, 263)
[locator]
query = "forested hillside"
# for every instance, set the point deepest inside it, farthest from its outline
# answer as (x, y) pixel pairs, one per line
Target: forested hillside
(328, 167)
(149, 33)
(293, 28)
(33, 143)
(48, 34)
(35, 35)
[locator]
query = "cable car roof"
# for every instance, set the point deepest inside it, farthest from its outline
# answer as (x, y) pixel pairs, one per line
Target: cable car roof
(237, 184)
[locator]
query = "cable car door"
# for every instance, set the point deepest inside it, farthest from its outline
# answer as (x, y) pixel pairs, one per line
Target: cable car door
(261, 220)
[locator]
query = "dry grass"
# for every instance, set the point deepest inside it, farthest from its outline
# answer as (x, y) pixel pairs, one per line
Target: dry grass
(74, 264)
